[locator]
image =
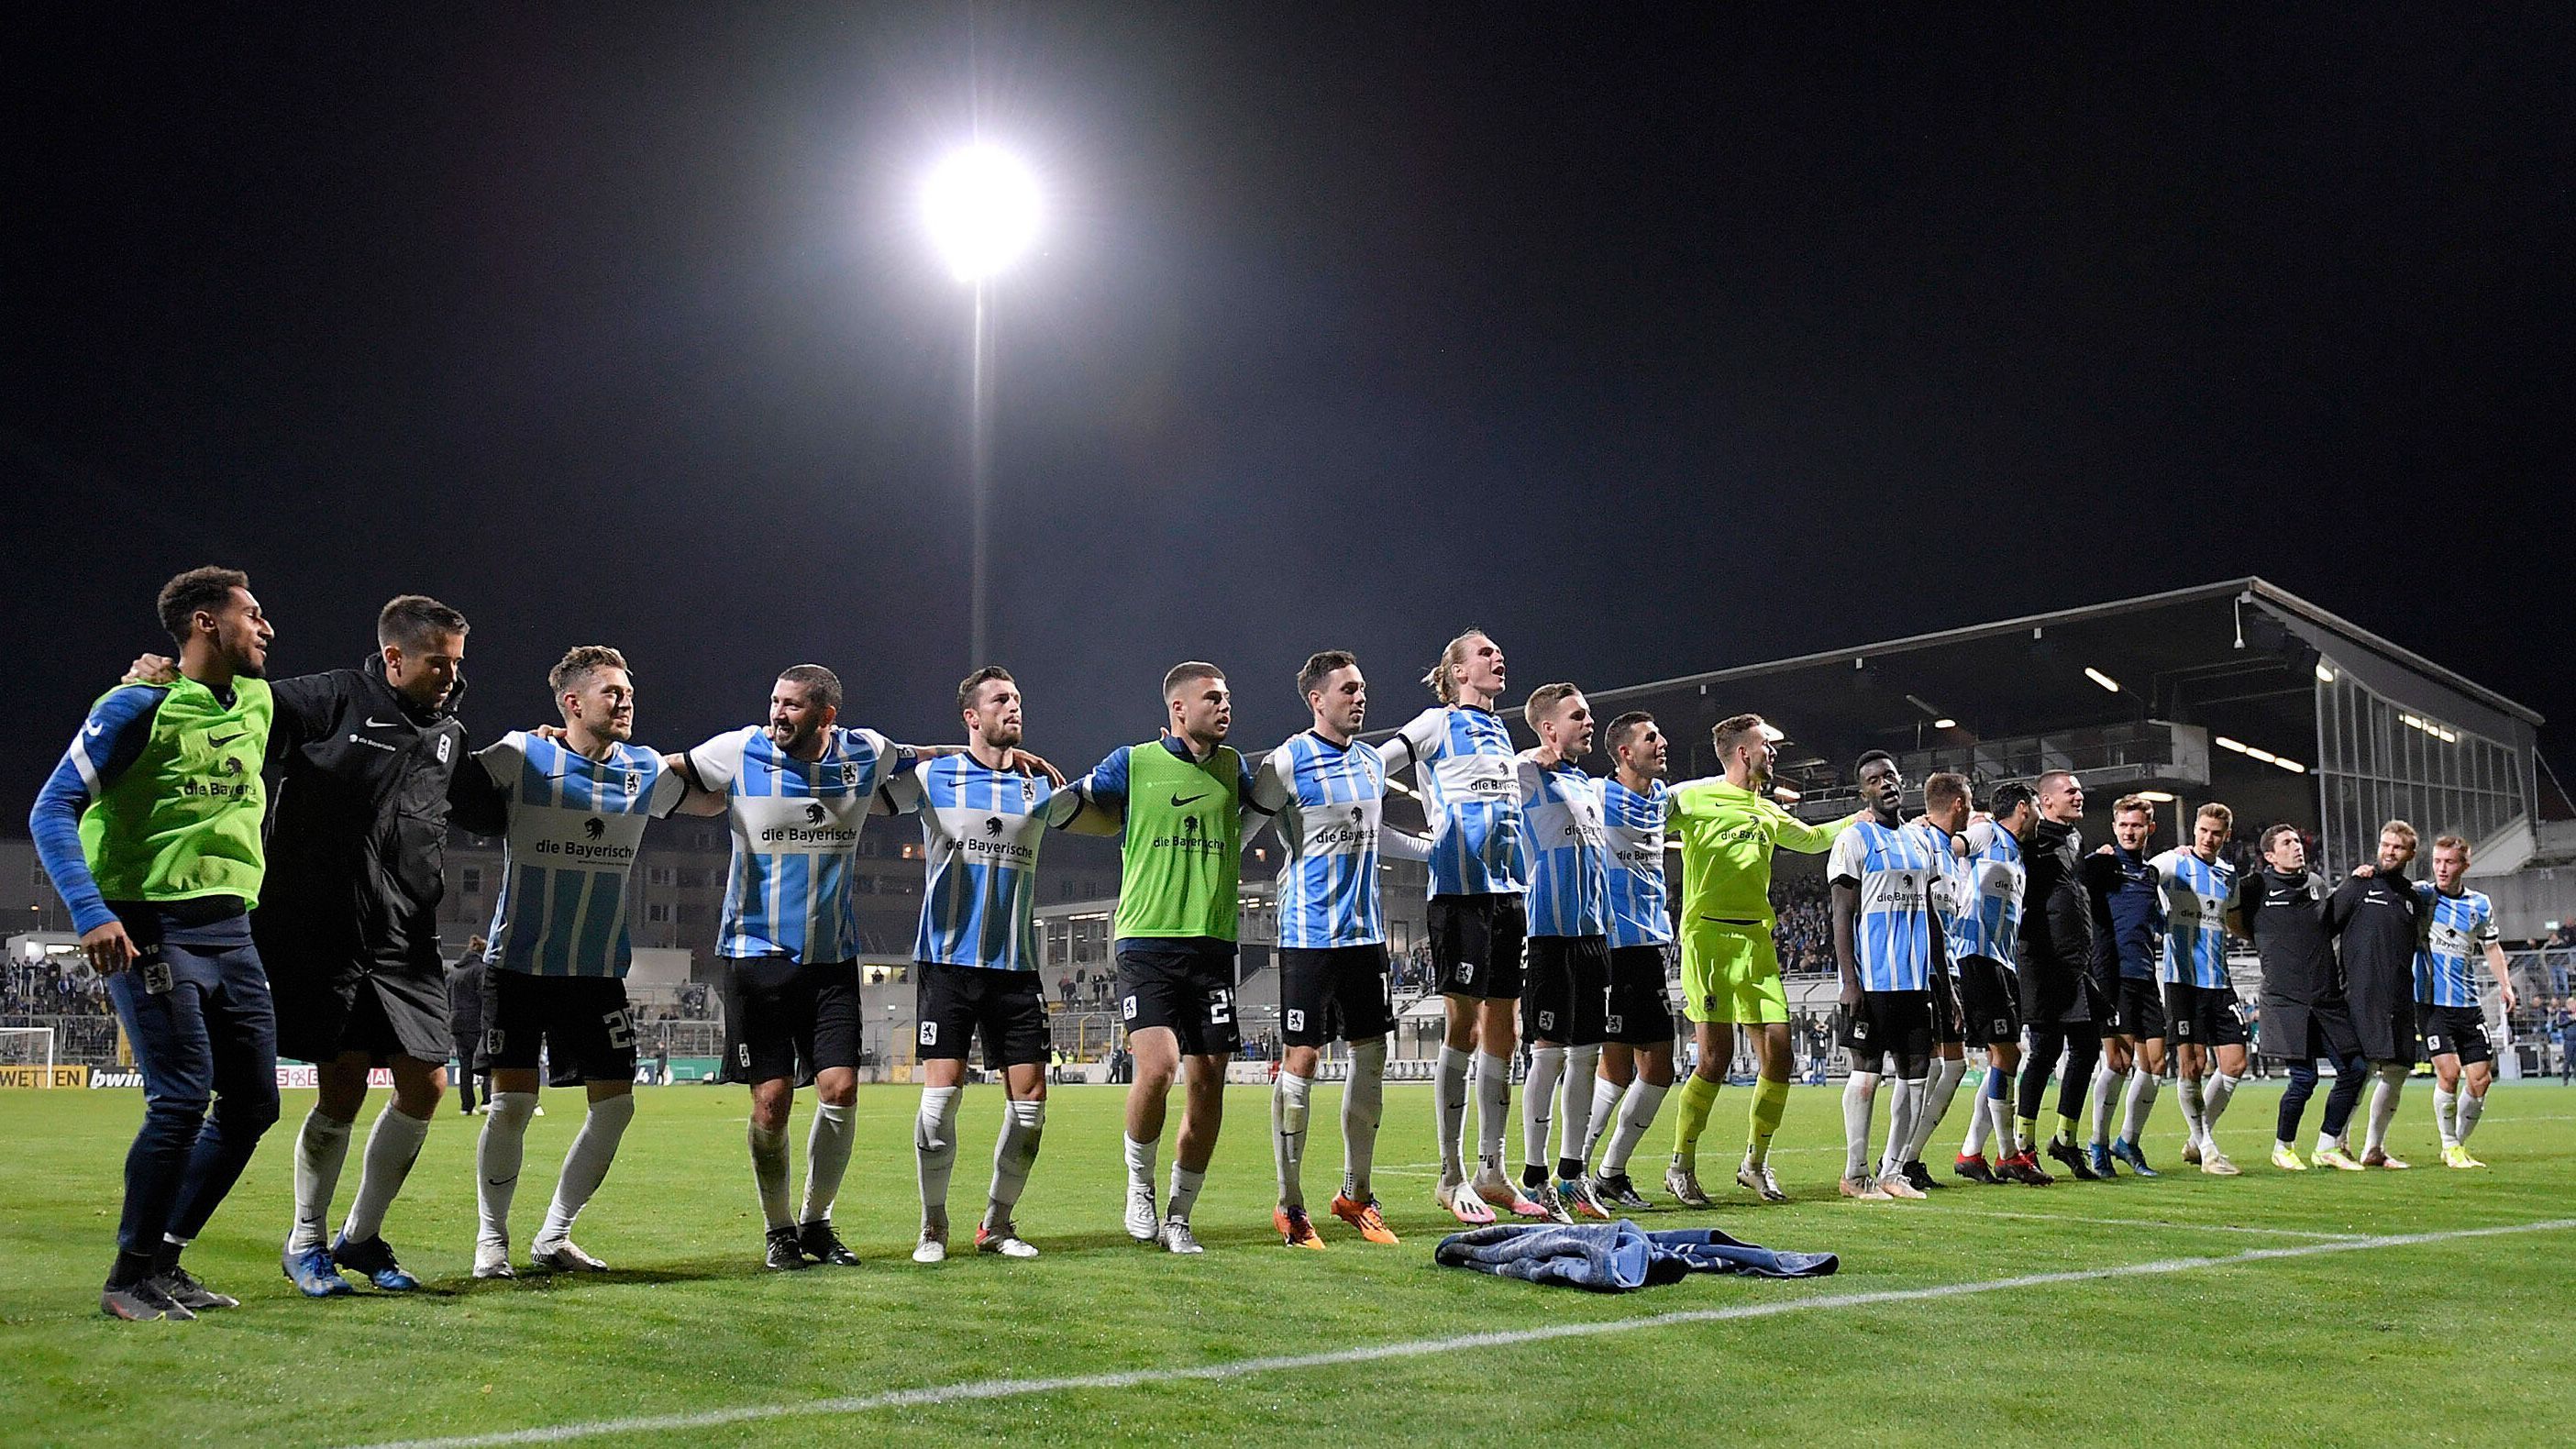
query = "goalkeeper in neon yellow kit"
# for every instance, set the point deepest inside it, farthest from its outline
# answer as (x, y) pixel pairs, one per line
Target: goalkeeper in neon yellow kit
(1728, 828)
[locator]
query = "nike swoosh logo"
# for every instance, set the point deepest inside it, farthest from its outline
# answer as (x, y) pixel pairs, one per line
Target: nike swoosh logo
(226, 740)
(96, 728)
(374, 723)
(1178, 802)
(501, 1181)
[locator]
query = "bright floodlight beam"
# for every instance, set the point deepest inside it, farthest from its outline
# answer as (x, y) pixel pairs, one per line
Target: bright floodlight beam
(981, 203)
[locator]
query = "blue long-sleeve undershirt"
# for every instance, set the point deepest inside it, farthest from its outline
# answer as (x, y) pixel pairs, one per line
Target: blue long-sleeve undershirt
(109, 743)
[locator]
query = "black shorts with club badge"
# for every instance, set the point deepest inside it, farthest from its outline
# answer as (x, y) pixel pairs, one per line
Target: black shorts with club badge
(2459, 1031)
(1182, 984)
(2202, 1016)
(580, 1025)
(2138, 1009)
(1989, 1001)
(1887, 1023)
(1476, 945)
(955, 1004)
(786, 1018)
(1565, 996)
(1333, 993)
(1641, 1011)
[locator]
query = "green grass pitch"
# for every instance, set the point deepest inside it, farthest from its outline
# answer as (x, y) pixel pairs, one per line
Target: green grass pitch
(2456, 1341)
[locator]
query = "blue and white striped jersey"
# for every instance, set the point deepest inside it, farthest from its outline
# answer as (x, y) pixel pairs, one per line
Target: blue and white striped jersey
(1567, 848)
(1990, 926)
(795, 828)
(980, 833)
(2195, 911)
(1326, 801)
(1638, 916)
(2455, 929)
(1463, 762)
(1893, 868)
(575, 825)
(1948, 890)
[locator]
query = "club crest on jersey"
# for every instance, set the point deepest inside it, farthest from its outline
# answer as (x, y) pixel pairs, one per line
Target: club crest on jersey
(445, 744)
(1296, 1021)
(1028, 791)
(849, 777)
(930, 1033)
(1466, 971)
(635, 782)
(1547, 1021)
(1127, 1009)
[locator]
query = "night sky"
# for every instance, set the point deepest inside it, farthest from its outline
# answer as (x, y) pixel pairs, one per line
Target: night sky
(1650, 344)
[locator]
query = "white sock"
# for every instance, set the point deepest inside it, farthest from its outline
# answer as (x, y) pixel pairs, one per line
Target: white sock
(1140, 1163)
(2472, 1105)
(1449, 1110)
(1289, 1098)
(1574, 1108)
(1637, 1108)
(1606, 1096)
(934, 1151)
(2390, 1083)
(1981, 1121)
(1363, 1104)
(320, 1148)
(1947, 1073)
(827, 1156)
(2106, 1085)
(1903, 1107)
(2214, 1100)
(585, 1164)
(1185, 1191)
(1493, 1085)
(769, 1173)
(1023, 1125)
(393, 1145)
(2007, 1126)
(2446, 1114)
(498, 1154)
(1538, 1102)
(2326, 1142)
(2141, 1103)
(1860, 1098)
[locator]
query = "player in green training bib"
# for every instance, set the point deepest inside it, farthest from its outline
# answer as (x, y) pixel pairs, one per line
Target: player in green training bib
(1183, 797)
(150, 830)
(1730, 973)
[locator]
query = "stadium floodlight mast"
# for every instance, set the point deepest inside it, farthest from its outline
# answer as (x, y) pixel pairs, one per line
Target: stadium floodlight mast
(981, 205)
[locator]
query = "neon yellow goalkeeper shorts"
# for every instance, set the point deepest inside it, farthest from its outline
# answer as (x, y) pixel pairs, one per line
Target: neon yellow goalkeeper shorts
(1730, 973)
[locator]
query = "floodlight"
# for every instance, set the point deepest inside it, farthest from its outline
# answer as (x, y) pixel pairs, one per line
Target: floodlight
(982, 207)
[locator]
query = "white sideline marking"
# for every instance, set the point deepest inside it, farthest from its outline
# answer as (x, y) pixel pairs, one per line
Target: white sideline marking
(980, 1389)
(2157, 1223)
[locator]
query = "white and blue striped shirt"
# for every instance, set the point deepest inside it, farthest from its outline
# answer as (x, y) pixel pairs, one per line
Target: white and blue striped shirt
(1567, 848)
(1638, 916)
(1893, 869)
(795, 828)
(1949, 889)
(980, 833)
(2195, 908)
(1326, 801)
(2455, 927)
(1464, 764)
(1990, 926)
(575, 825)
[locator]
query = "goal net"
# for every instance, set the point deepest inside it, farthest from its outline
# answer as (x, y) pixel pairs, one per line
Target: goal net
(28, 1046)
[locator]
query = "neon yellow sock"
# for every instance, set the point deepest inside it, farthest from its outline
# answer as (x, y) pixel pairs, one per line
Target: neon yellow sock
(1770, 1100)
(1699, 1096)
(2028, 1136)
(2066, 1130)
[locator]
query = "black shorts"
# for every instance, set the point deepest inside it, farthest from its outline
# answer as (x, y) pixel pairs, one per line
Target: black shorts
(2137, 1010)
(1476, 944)
(1948, 1028)
(786, 1018)
(2459, 1031)
(1989, 1001)
(1641, 1009)
(1565, 995)
(1184, 985)
(2203, 1015)
(580, 1023)
(1887, 1023)
(954, 1003)
(1333, 993)
(327, 1005)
